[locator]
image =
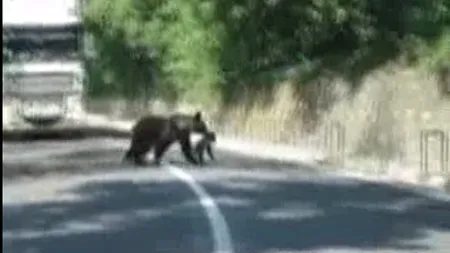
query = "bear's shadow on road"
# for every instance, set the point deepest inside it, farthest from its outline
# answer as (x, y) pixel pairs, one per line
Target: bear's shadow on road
(263, 215)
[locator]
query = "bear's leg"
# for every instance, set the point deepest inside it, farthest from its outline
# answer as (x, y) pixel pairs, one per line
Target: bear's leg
(137, 152)
(210, 152)
(201, 159)
(186, 148)
(198, 151)
(131, 150)
(139, 159)
(160, 149)
(128, 155)
(131, 154)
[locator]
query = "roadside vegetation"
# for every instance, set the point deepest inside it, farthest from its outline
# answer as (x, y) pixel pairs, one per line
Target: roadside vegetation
(274, 70)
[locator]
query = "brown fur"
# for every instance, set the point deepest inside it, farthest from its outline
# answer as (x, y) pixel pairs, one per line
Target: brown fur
(159, 132)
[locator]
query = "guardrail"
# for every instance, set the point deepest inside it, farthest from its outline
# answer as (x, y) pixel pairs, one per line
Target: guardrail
(334, 135)
(334, 139)
(443, 138)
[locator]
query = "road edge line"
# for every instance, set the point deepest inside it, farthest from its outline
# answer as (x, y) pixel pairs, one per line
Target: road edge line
(218, 224)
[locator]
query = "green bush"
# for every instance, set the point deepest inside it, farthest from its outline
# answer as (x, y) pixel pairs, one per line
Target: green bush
(201, 49)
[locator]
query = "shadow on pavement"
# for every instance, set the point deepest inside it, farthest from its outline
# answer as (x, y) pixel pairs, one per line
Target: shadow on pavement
(263, 215)
(117, 216)
(308, 215)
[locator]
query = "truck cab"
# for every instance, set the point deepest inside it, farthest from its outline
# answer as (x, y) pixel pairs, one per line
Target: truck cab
(42, 61)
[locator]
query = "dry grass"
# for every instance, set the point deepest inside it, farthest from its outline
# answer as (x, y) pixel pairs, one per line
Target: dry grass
(385, 118)
(382, 120)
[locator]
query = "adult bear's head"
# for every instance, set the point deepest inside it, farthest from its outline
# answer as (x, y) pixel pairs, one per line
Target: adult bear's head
(190, 123)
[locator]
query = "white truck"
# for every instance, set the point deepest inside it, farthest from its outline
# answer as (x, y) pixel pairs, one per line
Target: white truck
(42, 61)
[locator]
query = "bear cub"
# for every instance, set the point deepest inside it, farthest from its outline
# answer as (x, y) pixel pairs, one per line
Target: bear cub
(205, 143)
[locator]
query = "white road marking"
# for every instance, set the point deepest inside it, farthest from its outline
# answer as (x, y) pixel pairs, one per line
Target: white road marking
(219, 227)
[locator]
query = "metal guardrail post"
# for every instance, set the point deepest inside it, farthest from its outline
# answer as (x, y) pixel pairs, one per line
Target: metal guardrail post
(335, 129)
(443, 138)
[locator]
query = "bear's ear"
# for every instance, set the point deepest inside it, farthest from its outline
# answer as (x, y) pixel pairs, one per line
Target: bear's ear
(198, 116)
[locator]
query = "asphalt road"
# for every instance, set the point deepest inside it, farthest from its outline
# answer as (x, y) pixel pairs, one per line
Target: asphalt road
(77, 196)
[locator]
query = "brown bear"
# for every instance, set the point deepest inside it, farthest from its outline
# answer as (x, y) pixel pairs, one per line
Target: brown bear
(159, 132)
(205, 143)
